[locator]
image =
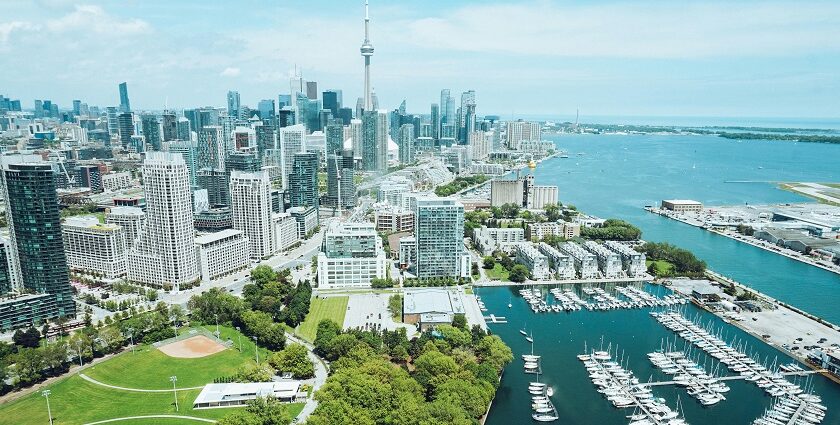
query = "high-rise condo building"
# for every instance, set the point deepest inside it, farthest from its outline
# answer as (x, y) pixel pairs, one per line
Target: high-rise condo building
(406, 143)
(125, 106)
(92, 247)
(341, 188)
(170, 126)
(435, 117)
(357, 139)
(151, 131)
(32, 211)
(382, 133)
(211, 147)
(164, 255)
(126, 127)
(291, 140)
(439, 234)
(250, 195)
(518, 131)
(303, 180)
(130, 219)
(233, 103)
(189, 151)
(332, 101)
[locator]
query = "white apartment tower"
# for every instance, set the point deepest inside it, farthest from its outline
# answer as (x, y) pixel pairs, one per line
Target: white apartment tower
(291, 141)
(164, 255)
(250, 204)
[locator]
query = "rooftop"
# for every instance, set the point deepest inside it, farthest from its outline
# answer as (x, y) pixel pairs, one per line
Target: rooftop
(432, 300)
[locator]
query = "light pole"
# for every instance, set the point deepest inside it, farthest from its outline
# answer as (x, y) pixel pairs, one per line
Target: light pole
(217, 326)
(131, 336)
(79, 350)
(46, 394)
(174, 379)
(239, 336)
(256, 349)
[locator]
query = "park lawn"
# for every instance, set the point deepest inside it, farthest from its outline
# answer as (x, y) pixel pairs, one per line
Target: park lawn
(149, 368)
(498, 273)
(663, 268)
(237, 339)
(333, 308)
(76, 401)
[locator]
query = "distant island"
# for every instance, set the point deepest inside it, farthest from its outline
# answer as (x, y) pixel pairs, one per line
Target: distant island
(806, 135)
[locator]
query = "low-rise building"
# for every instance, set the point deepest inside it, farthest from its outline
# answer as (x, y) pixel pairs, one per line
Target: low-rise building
(430, 307)
(682, 205)
(236, 394)
(538, 231)
(307, 219)
(608, 261)
(285, 230)
(490, 239)
(633, 261)
(221, 253)
(408, 251)
(563, 266)
(793, 239)
(351, 256)
(213, 219)
(534, 260)
(94, 248)
(586, 263)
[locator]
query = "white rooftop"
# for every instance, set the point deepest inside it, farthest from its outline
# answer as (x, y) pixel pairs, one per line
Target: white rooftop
(236, 391)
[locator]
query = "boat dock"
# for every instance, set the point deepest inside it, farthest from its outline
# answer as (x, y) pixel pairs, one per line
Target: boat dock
(495, 319)
(701, 385)
(729, 378)
(622, 388)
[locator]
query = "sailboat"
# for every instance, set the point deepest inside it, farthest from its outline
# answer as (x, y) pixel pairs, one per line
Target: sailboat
(530, 338)
(509, 303)
(522, 331)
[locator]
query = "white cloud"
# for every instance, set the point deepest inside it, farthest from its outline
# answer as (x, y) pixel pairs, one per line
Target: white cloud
(94, 18)
(641, 30)
(230, 72)
(6, 29)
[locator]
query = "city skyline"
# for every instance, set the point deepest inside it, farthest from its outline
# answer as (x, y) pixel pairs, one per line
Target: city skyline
(537, 58)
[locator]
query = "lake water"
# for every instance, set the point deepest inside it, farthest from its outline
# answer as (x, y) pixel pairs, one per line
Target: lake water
(615, 177)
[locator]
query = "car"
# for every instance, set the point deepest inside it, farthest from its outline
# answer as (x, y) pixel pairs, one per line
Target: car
(799, 339)
(795, 347)
(821, 340)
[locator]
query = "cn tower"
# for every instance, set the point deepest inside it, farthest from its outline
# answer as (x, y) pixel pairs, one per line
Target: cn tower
(367, 52)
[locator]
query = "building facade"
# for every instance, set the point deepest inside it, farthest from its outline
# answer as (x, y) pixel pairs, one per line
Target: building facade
(351, 256)
(222, 253)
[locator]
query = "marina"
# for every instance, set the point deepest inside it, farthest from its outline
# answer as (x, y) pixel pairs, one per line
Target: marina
(597, 299)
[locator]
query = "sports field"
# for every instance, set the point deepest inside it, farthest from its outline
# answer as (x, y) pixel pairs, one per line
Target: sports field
(330, 308)
(74, 400)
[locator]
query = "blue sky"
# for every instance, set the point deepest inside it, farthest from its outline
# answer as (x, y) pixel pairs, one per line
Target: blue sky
(773, 59)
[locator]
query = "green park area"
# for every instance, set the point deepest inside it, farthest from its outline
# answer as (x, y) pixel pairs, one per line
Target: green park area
(498, 272)
(333, 308)
(74, 400)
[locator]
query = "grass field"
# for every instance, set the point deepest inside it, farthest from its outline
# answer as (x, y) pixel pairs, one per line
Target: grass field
(322, 308)
(497, 273)
(148, 368)
(75, 401)
(662, 266)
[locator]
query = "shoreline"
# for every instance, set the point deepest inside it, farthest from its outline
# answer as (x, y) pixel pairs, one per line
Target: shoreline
(689, 222)
(814, 323)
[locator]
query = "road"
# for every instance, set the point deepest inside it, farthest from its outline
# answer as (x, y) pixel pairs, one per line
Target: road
(234, 283)
(319, 379)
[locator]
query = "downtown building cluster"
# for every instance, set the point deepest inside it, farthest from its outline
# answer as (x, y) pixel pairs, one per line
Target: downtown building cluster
(185, 196)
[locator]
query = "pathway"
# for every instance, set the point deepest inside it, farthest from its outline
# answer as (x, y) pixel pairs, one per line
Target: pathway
(139, 390)
(318, 381)
(128, 418)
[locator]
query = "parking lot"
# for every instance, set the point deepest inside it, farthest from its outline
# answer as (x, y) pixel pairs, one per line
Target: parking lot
(366, 311)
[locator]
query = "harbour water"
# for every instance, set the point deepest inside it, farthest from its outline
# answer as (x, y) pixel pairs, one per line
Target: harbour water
(560, 337)
(617, 175)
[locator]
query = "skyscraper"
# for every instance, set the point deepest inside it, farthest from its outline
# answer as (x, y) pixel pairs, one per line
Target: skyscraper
(357, 138)
(266, 109)
(126, 127)
(382, 133)
(170, 126)
(312, 90)
(303, 181)
(466, 121)
(444, 104)
(151, 131)
(332, 101)
(367, 52)
(233, 103)
(211, 148)
(113, 121)
(165, 255)
(341, 188)
(291, 140)
(368, 140)
(125, 106)
(406, 143)
(33, 215)
(439, 234)
(250, 195)
(435, 116)
(334, 134)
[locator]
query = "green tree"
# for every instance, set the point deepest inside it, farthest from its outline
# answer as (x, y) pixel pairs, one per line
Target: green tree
(269, 334)
(552, 212)
(326, 332)
(493, 351)
(260, 411)
(215, 302)
(293, 359)
(29, 338)
(489, 262)
(252, 372)
(519, 273)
